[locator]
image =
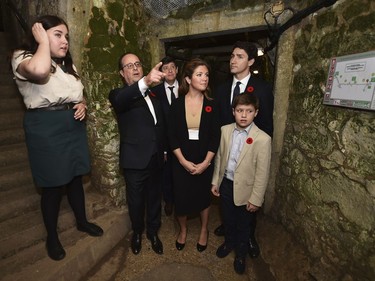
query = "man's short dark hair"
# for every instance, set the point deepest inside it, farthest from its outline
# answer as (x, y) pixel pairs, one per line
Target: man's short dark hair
(246, 99)
(250, 48)
(167, 60)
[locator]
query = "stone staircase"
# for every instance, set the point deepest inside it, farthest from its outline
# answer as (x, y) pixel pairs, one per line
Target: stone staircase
(22, 235)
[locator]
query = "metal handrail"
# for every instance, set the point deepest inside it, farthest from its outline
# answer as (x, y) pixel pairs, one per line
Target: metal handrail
(17, 14)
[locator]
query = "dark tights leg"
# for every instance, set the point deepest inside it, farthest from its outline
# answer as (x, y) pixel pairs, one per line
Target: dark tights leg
(76, 199)
(50, 205)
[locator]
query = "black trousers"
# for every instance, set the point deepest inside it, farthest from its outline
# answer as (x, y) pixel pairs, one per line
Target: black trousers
(239, 223)
(143, 195)
(167, 180)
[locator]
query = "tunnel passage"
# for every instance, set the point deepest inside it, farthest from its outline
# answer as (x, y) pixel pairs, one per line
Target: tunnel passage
(216, 47)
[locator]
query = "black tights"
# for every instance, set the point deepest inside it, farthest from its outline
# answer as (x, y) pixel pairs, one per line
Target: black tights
(50, 204)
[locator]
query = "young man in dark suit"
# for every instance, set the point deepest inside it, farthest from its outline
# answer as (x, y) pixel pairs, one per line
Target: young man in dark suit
(142, 145)
(242, 58)
(167, 92)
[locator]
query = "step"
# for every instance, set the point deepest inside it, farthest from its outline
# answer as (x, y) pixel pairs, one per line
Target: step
(11, 119)
(12, 104)
(82, 252)
(6, 79)
(27, 229)
(14, 176)
(9, 91)
(6, 39)
(12, 136)
(20, 232)
(5, 66)
(13, 154)
(17, 201)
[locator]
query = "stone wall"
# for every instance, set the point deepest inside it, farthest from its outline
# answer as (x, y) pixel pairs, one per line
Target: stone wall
(325, 192)
(115, 27)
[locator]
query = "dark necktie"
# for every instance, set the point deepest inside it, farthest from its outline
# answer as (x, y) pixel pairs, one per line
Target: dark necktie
(236, 90)
(173, 97)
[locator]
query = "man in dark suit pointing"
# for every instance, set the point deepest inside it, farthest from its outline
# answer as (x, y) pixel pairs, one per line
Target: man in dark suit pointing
(141, 126)
(243, 82)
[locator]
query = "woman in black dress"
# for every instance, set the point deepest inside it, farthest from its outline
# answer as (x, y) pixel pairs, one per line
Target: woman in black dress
(194, 136)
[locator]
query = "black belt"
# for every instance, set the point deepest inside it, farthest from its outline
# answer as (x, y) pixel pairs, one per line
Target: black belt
(58, 107)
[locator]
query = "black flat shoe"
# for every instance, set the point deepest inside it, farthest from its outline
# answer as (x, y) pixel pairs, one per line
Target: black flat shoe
(156, 244)
(220, 230)
(90, 229)
(55, 250)
(200, 247)
(253, 249)
(179, 246)
(223, 251)
(239, 265)
(136, 243)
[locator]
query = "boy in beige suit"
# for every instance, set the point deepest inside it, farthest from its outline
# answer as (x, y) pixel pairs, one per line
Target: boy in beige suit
(240, 177)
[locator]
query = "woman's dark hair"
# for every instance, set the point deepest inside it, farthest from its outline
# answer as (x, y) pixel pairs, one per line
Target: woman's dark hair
(30, 45)
(188, 71)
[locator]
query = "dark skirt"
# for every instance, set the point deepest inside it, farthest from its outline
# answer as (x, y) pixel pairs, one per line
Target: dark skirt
(57, 147)
(192, 192)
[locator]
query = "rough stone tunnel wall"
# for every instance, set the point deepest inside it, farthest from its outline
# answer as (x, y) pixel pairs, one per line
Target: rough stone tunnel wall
(325, 188)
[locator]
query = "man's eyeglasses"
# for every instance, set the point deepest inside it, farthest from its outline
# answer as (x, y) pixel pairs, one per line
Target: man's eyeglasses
(130, 65)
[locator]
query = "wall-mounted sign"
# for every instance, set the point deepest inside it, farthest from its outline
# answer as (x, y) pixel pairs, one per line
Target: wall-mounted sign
(351, 81)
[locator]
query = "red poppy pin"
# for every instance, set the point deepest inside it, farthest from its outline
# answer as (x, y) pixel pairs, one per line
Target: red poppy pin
(151, 94)
(208, 108)
(249, 140)
(250, 89)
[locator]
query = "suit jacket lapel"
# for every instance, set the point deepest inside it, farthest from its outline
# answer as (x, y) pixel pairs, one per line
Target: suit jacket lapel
(229, 136)
(164, 96)
(246, 146)
(157, 109)
(228, 96)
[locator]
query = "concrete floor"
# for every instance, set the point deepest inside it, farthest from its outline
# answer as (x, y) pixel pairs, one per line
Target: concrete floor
(281, 257)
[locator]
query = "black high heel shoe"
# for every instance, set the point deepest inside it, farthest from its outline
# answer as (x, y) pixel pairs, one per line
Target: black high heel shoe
(200, 247)
(180, 246)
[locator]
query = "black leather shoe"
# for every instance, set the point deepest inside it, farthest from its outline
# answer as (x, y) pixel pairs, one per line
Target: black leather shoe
(239, 265)
(179, 246)
(168, 209)
(136, 243)
(220, 230)
(254, 250)
(223, 251)
(55, 250)
(156, 244)
(90, 229)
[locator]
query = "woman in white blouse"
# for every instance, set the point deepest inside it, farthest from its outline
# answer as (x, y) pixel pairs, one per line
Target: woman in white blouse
(54, 124)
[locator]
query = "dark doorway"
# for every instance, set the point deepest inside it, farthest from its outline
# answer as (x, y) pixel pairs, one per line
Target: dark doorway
(216, 48)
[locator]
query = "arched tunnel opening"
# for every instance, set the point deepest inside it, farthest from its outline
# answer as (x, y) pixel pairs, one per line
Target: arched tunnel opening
(216, 47)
